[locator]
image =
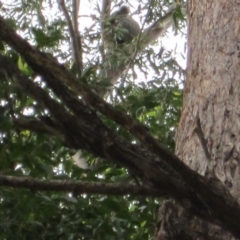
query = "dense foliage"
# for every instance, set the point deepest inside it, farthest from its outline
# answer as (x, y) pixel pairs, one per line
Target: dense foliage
(151, 91)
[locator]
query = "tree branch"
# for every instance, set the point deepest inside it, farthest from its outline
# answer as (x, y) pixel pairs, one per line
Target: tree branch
(38, 125)
(75, 38)
(78, 187)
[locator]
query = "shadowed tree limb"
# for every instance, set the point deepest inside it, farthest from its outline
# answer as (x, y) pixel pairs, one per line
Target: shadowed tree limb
(78, 187)
(38, 125)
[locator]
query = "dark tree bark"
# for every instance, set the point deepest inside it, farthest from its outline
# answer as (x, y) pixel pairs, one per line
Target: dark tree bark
(208, 135)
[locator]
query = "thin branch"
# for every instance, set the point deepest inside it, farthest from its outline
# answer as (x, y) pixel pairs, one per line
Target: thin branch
(76, 8)
(105, 12)
(77, 36)
(78, 187)
(154, 31)
(76, 43)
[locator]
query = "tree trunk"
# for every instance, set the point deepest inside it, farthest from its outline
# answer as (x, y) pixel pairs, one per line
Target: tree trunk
(208, 138)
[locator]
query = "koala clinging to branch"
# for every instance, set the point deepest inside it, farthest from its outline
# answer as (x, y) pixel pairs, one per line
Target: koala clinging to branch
(119, 30)
(124, 27)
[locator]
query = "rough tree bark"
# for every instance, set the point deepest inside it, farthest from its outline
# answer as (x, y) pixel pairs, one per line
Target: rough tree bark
(208, 138)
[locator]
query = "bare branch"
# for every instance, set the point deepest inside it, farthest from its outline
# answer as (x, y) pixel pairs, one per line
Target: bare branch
(78, 187)
(154, 31)
(74, 34)
(76, 8)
